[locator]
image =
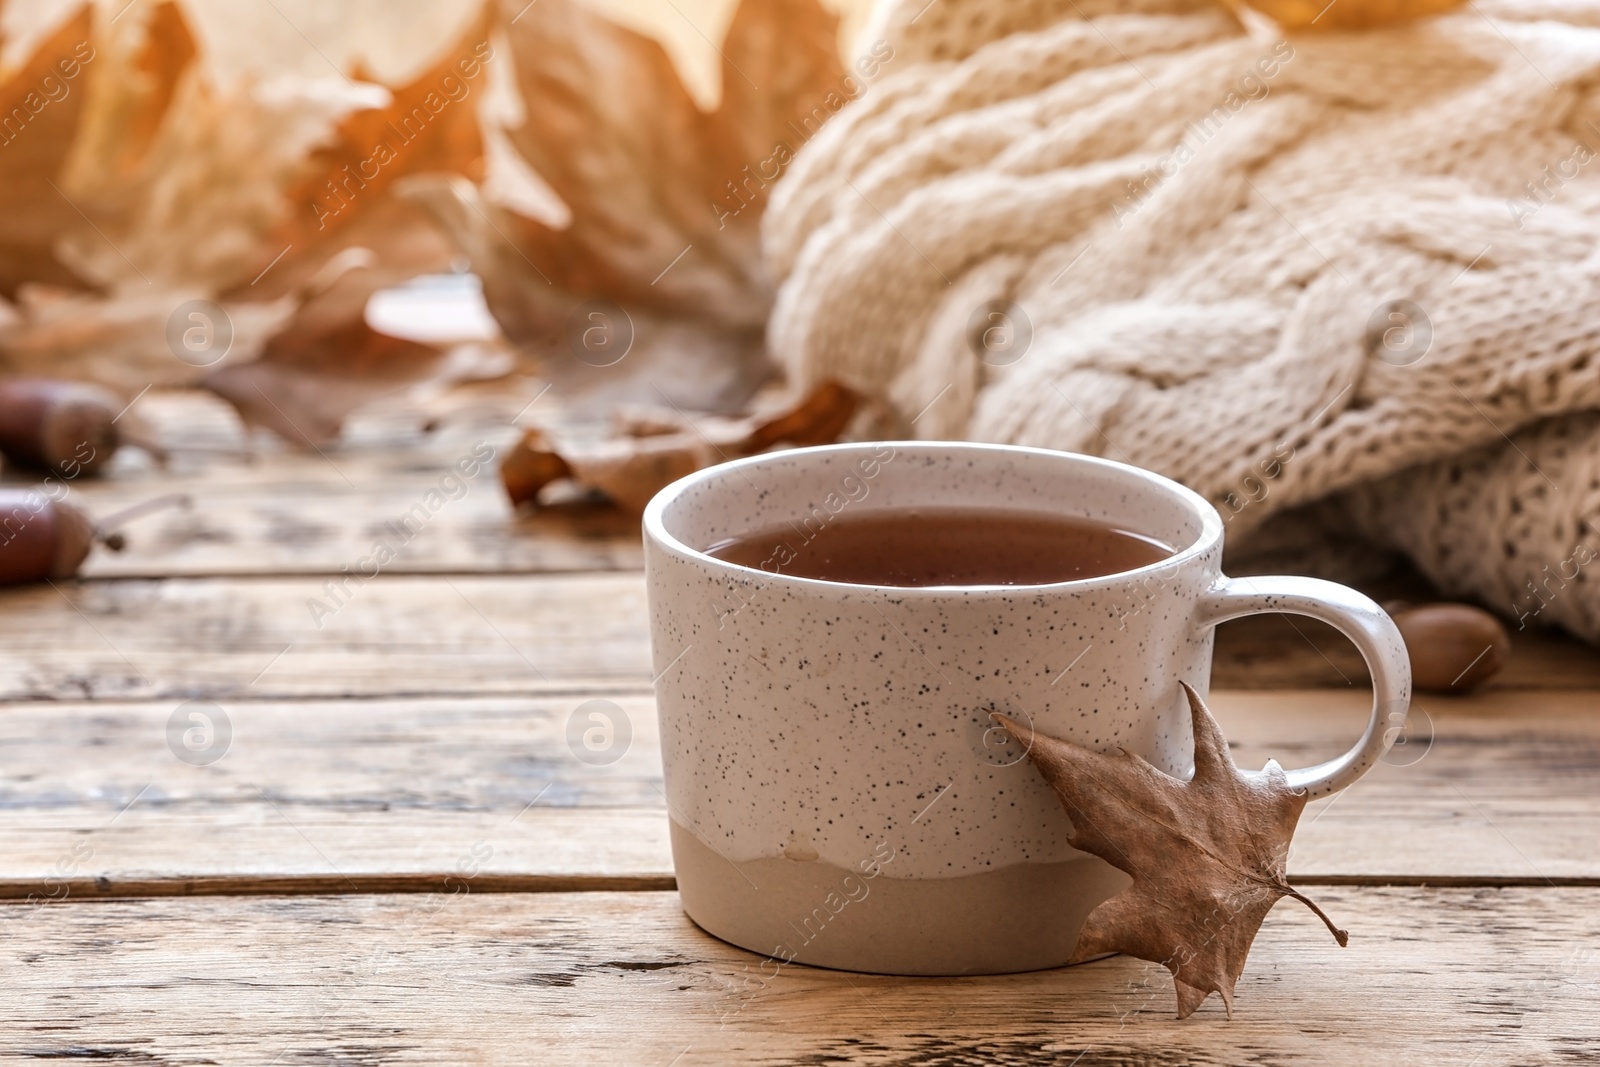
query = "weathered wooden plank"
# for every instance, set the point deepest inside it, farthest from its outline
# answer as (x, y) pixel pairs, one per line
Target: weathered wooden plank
(314, 636)
(383, 795)
(1482, 976)
(197, 426)
(333, 797)
(434, 499)
(323, 529)
(1499, 786)
(207, 447)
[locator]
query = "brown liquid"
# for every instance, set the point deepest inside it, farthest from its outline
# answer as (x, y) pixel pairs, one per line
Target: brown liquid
(943, 546)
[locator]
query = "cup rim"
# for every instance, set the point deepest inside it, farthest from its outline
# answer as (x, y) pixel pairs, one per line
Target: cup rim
(1210, 519)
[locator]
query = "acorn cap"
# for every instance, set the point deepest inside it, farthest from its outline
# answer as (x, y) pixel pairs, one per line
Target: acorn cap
(74, 534)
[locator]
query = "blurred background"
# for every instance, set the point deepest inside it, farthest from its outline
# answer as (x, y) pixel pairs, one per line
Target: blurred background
(332, 247)
(284, 162)
(310, 230)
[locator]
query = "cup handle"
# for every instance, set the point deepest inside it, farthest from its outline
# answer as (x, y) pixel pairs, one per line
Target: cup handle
(1363, 622)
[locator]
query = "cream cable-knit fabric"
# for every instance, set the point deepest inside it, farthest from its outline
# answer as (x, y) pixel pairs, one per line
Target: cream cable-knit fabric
(1275, 269)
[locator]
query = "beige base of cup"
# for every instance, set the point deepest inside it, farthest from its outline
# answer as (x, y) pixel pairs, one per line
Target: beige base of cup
(1025, 917)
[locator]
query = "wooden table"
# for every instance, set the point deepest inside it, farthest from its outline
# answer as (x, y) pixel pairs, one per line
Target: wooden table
(397, 858)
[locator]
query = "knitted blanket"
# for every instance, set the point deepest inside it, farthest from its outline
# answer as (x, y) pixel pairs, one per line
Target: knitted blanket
(1361, 268)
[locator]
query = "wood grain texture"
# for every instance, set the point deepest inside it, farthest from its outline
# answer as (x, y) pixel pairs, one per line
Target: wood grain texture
(300, 515)
(1486, 977)
(383, 795)
(321, 530)
(331, 797)
(311, 636)
(1494, 787)
(271, 511)
(241, 638)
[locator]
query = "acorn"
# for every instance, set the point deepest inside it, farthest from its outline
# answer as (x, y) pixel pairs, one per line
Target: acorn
(67, 427)
(42, 538)
(1453, 647)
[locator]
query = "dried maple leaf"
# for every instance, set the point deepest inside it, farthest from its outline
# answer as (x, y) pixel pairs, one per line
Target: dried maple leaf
(1206, 856)
(121, 341)
(79, 122)
(430, 124)
(309, 378)
(654, 447)
(139, 166)
(130, 94)
(169, 51)
(187, 189)
(40, 105)
(328, 361)
(205, 194)
(1347, 14)
(664, 200)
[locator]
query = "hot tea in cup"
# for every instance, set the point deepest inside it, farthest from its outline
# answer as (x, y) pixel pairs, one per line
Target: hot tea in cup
(946, 546)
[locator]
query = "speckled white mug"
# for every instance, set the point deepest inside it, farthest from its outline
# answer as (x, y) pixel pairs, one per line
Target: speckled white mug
(837, 790)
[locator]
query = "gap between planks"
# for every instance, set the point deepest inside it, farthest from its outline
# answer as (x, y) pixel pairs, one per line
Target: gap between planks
(62, 893)
(398, 635)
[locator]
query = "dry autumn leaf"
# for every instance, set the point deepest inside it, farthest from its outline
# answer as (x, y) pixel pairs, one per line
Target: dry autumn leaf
(344, 197)
(112, 97)
(130, 94)
(192, 190)
(103, 130)
(311, 376)
(234, 199)
(1347, 14)
(328, 360)
(40, 105)
(121, 341)
(652, 448)
(191, 208)
(1206, 856)
(655, 287)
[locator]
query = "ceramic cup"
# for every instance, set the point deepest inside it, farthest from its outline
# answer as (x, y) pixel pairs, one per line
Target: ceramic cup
(839, 794)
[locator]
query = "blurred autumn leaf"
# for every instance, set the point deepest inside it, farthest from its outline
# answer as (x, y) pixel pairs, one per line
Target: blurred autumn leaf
(182, 191)
(649, 448)
(146, 90)
(153, 188)
(328, 361)
(427, 125)
(1332, 15)
(95, 121)
(655, 289)
(40, 104)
